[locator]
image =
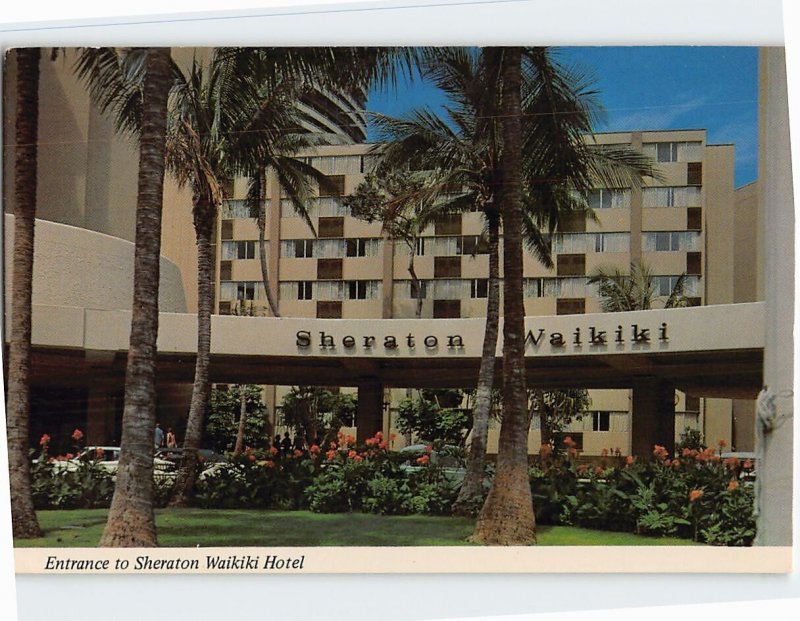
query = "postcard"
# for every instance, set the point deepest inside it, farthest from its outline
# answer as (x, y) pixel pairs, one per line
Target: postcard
(309, 310)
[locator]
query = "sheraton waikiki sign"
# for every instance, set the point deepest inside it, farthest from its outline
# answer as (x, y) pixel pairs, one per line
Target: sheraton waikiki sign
(537, 339)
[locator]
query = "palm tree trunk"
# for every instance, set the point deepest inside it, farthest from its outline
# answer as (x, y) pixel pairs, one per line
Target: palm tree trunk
(476, 462)
(507, 517)
(262, 226)
(131, 522)
(415, 281)
(239, 446)
(23, 517)
(204, 227)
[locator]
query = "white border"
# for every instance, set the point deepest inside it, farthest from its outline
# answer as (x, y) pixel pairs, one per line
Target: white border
(755, 22)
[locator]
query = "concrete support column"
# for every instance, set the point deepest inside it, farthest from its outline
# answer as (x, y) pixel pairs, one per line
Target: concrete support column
(653, 417)
(369, 418)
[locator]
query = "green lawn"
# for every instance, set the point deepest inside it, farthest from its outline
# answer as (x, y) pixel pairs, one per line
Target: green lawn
(249, 527)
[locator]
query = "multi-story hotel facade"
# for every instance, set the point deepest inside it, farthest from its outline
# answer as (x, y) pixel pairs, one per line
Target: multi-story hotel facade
(691, 221)
(685, 223)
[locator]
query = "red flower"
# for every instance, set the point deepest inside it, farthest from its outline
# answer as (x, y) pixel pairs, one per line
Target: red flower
(733, 485)
(273, 450)
(314, 450)
(333, 446)
(424, 459)
(747, 464)
(251, 457)
(44, 440)
(545, 450)
(568, 441)
(358, 459)
(598, 471)
(352, 454)
(69, 456)
(695, 494)
(731, 462)
(676, 463)
(582, 468)
(383, 445)
(330, 455)
(77, 435)
(298, 453)
(269, 463)
(722, 444)
(629, 460)
(379, 435)
(660, 452)
(428, 449)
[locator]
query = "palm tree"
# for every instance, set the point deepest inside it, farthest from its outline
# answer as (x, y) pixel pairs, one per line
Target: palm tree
(239, 117)
(462, 152)
(135, 85)
(634, 291)
(23, 516)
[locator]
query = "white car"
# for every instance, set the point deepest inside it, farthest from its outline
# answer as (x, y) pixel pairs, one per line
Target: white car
(107, 457)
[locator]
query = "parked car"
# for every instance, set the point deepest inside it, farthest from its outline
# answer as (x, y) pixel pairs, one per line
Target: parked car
(450, 460)
(175, 454)
(107, 457)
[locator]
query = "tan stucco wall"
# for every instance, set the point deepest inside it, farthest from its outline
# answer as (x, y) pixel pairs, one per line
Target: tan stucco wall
(75, 267)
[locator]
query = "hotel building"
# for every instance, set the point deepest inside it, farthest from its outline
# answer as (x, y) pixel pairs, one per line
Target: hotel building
(691, 222)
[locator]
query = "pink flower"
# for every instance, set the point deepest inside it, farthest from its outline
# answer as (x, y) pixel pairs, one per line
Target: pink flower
(383, 445)
(44, 440)
(273, 450)
(358, 459)
(731, 462)
(314, 450)
(298, 453)
(330, 455)
(77, 435)
(747, 464)
(379, 435)
(352, 454)
(722, 444)
(659, 452)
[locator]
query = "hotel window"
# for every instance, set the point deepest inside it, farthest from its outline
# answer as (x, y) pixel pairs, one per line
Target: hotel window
(329, 269)
(329, 248)
(363, 289)
(694, 173)
(472, 245)
(532, 287)
(449, 224)
(333, 185)
(670, 241)
(362, 247)
(694, 219)
(601, 421)
(679, 196)
(419, 247)
(297, 248)
(305, 290)
(479, 288)
(226, 230)
(606, 198)
(571, 265)
(413, 289)
(664, 285)
(665, 152)
(241, 291)
(570, 306)
(574, 222)
(331, 227)
(694, 261)
(329, 310)
(225, 270)
(446, 309)
(446, 267)
(239, 208)
(450, 289)
(612, 242)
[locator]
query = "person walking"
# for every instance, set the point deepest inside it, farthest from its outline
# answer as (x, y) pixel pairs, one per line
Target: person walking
(172, 442)
(159, 436)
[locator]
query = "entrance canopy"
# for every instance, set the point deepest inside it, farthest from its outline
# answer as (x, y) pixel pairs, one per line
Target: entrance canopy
(714, 351)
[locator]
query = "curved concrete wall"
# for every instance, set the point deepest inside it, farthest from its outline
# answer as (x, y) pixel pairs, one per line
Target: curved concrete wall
(85, 269)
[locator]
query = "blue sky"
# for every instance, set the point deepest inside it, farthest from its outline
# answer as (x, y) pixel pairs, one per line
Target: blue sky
(648, 88)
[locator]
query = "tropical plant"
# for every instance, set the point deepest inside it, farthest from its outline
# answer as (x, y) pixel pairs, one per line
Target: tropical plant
(135, 84)
(430, 421)
(635, 290)
(224, 416)
(23, 515)
(316, 412)
(556, 409)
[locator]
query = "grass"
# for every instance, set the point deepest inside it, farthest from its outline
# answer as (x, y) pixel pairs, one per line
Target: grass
(181, 528)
